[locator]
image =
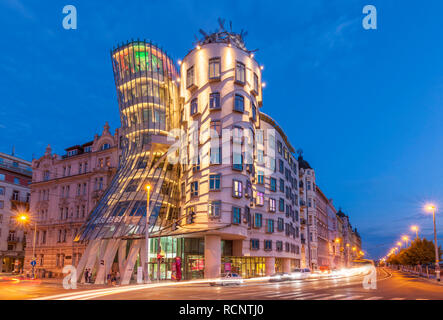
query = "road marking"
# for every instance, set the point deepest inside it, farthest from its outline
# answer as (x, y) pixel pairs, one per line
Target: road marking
(351, 298)
(398, 298)
(312, 296)
(331, 297)
(282, 294)
(373, 298)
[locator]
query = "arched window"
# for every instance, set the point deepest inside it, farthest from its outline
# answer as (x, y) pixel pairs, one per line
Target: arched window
(105, 146)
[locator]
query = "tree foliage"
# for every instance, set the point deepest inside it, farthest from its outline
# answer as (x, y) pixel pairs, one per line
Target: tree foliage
(420, 252)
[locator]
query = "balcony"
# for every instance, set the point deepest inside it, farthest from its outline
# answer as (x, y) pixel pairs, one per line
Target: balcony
(19, 169)
(19, 202)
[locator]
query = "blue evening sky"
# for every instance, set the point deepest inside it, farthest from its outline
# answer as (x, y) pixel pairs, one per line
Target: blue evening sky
(364, 105)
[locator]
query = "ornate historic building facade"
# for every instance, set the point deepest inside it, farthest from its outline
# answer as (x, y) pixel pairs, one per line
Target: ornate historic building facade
(64, 191)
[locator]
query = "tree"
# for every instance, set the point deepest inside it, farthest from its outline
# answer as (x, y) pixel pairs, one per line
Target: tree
(420, 252)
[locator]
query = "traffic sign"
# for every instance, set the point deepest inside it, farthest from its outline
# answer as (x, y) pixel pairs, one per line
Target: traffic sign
(33, 263)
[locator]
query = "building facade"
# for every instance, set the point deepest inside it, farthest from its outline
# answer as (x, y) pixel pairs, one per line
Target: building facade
(15, 177)
(206, 182)
(64, 191)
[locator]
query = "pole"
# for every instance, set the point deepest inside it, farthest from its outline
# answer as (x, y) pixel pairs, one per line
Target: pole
(159, 250)
(416, 233)
(437, 262)
(147, 280)
(33, 249)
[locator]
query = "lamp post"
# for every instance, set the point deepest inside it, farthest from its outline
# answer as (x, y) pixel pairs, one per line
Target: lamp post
(415, 228)
(405, 239)
(148, 191)
(23, 219)
(437, 262)
(399, 244)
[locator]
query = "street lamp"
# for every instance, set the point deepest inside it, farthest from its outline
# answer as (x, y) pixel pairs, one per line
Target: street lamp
(405, 239)
(148, 191)
(432, 208)
(415, 228)
(24, 219)
(399, 244)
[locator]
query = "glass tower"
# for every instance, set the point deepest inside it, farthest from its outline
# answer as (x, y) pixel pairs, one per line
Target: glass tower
(148, 98)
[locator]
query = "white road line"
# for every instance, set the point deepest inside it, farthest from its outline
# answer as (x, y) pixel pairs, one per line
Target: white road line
(282, 294)
(398, 298)
(335, 296)
(312, 296)
(351, 298)
(374, 298)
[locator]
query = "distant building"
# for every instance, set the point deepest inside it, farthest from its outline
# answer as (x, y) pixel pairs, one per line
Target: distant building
(15, 177)
(64, 191)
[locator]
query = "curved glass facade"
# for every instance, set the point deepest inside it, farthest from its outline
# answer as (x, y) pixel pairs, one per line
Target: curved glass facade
(145, 79)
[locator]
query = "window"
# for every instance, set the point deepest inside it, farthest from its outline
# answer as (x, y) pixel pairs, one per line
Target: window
(258, 220)
(183, 193)
(281, 205)
(254, 111)
(279, 147)
(214, 100)
(105, 146)
(240, 72)
(239, 103)
(2, 204)
(260, 157)
(273, 184)
(2, 177)
(282, 185)
(87, 149)
(280, 166)
(279, 245)
(194, 106)
(215, 155)
(260, 198)
(271, 205)
(280, 224)
(255, 244)
(214, 68)
(270, 225)
(2, 191)
(237, 189)
(194, 189)
(260, 177)
(214, 182)
(214, 209)
(190, 215)
(16, 181)
(15, 195)
(236, 215)
(190, 77)
(237, 161)
(268, 245)
(255, 83)
(80, 168)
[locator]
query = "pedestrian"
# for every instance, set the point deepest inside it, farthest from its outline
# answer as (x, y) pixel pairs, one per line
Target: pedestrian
(86, 275)
(108, 279)
(89, 275)
(117, 276)
(113, 278)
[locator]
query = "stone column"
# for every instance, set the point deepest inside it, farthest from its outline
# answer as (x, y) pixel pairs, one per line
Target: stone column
(269, 265)
(212, 256)
(287, 265)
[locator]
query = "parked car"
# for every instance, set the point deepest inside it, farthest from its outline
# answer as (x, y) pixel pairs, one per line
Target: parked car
(301, 273)
(226, 279)
(324, 269)
(280, 276)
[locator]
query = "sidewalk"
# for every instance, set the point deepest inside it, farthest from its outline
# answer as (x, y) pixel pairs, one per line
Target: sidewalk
(422, 276)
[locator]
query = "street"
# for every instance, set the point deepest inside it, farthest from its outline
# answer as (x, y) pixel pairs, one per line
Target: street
(391, 285)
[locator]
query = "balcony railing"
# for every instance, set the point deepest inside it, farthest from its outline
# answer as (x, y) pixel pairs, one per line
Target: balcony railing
(19, 168)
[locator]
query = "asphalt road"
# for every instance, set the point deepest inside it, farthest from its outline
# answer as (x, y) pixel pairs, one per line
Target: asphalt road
(391, 285)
